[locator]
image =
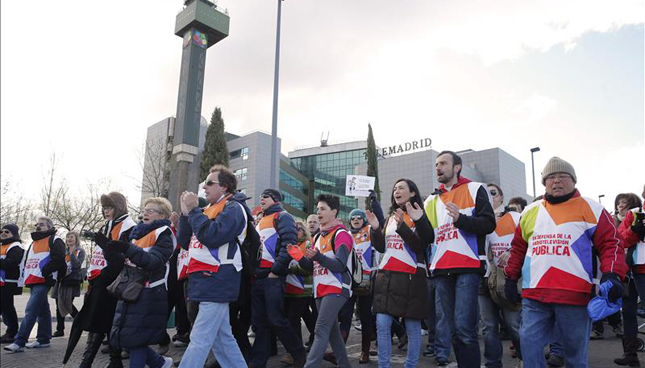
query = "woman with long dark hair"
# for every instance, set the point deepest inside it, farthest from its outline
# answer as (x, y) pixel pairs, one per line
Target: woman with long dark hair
(400, 286)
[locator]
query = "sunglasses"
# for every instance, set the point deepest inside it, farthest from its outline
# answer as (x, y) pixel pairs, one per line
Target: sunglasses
(210, 182)
(6, 232)
(107, 208)
(265, 196)
(356, 218)
(41, 224)
(493, 193)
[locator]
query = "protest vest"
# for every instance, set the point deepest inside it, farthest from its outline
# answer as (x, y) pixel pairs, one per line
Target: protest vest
(4, 249)
(499, 241)
(364, 250)
(37, 257)
(559, 244)
(146, 243)
(453, 248)
(295, 284)
(97, 261)
(325, 281)
(183, 259)
(269, 238)
(398, 256)
(201, 258)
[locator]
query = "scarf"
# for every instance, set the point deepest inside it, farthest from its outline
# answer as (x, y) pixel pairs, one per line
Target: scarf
(331, 225)
(556, 200)
(143, 229)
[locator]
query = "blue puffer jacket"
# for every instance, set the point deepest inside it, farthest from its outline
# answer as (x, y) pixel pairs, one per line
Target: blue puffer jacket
(144, 322)
(222, 286)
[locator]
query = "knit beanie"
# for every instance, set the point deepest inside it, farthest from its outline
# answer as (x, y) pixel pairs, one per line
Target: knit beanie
(274, 194)
(558, 165)
(358, 212)
(117, 201)
(13, 228)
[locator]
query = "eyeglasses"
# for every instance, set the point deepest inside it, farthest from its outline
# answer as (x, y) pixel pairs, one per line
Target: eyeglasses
(151, 210)
(41, 224)
(210, 182)
(6, 232)
(493, 193)
(552, 177)
(356, 218)
(107, 208)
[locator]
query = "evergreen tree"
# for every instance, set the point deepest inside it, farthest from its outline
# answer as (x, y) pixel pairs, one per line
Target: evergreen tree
(372, 164)
(215, 149)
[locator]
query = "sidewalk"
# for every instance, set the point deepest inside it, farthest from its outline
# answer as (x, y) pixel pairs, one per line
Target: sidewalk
(601, 352)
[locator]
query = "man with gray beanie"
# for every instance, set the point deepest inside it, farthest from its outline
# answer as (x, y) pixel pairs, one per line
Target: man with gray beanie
(552, 250)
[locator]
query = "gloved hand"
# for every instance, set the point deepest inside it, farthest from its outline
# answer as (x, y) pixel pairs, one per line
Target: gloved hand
(510, 291)
(617, 289)
(295, 252)
(101, 240)
(372, 195)
(118, 246)
(638, 226)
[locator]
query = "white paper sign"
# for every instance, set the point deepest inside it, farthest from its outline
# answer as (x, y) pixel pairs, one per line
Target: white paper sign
(359, 185)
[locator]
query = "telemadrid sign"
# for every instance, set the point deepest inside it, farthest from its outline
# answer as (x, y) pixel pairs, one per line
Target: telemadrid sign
(404, 147)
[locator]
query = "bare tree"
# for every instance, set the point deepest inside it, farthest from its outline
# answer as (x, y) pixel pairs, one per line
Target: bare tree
(14, 207)
(155, 164)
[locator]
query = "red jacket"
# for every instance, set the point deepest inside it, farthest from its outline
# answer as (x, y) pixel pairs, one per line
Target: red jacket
(629, 238)
(610, 251)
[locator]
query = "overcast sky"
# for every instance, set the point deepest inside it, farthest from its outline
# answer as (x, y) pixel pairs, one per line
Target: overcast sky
(85, 79)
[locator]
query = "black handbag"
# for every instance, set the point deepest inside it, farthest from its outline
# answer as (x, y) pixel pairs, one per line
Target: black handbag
(129, 284)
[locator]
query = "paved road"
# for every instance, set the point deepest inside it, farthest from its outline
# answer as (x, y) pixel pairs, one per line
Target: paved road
(601, 352)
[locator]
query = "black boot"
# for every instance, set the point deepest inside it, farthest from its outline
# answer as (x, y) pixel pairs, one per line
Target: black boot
(115, 358)
(630, 356)
(93, 345)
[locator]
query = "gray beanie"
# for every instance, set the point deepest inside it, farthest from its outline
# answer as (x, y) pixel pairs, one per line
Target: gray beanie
(558, 165)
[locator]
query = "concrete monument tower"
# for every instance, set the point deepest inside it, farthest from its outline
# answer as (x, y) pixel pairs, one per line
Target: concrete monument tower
(201, 25)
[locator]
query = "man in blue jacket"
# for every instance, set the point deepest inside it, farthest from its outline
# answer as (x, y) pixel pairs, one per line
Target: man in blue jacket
(212, 237)
(277, 229)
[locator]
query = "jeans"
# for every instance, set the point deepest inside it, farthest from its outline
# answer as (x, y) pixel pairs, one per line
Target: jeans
(37, 309)
(539, 323)
(328, 331)
(630, 304)
(143, 355)
(493, 349)
(268, 315)
(384, 336)
(555, 344)
(212, 331)
(8, 311)
(438, 328)
(457, 296)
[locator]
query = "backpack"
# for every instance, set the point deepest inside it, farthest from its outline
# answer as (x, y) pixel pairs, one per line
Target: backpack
(357, 267)
(251, 247)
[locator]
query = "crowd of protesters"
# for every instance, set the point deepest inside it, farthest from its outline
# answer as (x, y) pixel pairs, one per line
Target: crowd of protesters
(448, 262)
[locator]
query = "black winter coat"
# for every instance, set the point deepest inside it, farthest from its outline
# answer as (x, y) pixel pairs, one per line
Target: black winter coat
(401, 294)
(11, 267)
(144, 322)
(56, 253)
(99, 304)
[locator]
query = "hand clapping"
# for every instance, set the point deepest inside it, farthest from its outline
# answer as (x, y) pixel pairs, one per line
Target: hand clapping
(189, 200)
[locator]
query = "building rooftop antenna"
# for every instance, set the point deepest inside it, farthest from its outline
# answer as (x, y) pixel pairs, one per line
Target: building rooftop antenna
(323, 141)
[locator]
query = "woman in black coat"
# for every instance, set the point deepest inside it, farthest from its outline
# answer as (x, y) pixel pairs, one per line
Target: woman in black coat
(142, 322)
(400, 286)
(11, 253)
(105, 265)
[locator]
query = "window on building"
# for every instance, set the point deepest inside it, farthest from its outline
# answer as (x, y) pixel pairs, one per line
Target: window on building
(242, 174)
(242, 152)
(245, 153)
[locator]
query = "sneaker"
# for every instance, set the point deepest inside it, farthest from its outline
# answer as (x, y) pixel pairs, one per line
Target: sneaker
(358, 327)
(179, 343)
(58, 334)
(429, 351)
(287, 359)
(167, 362)
(596, 335)
(14, 348)
(618, 330)
(555, 361)
(6, 340)
(441, 362)
(37, 345)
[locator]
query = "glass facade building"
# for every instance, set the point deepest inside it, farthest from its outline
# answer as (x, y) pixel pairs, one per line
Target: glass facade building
(328, 172)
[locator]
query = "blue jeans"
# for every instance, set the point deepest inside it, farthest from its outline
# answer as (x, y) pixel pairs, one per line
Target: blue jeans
(37, 309)
(493, 349)
(555, 344)
(142, 356)
(384, 336)
(539, 324)
(212, 331)
(457, 295)
(438, 328)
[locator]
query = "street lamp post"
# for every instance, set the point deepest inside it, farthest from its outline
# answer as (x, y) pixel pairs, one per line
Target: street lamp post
(599, 198)
(533, 150)
(274, 125)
